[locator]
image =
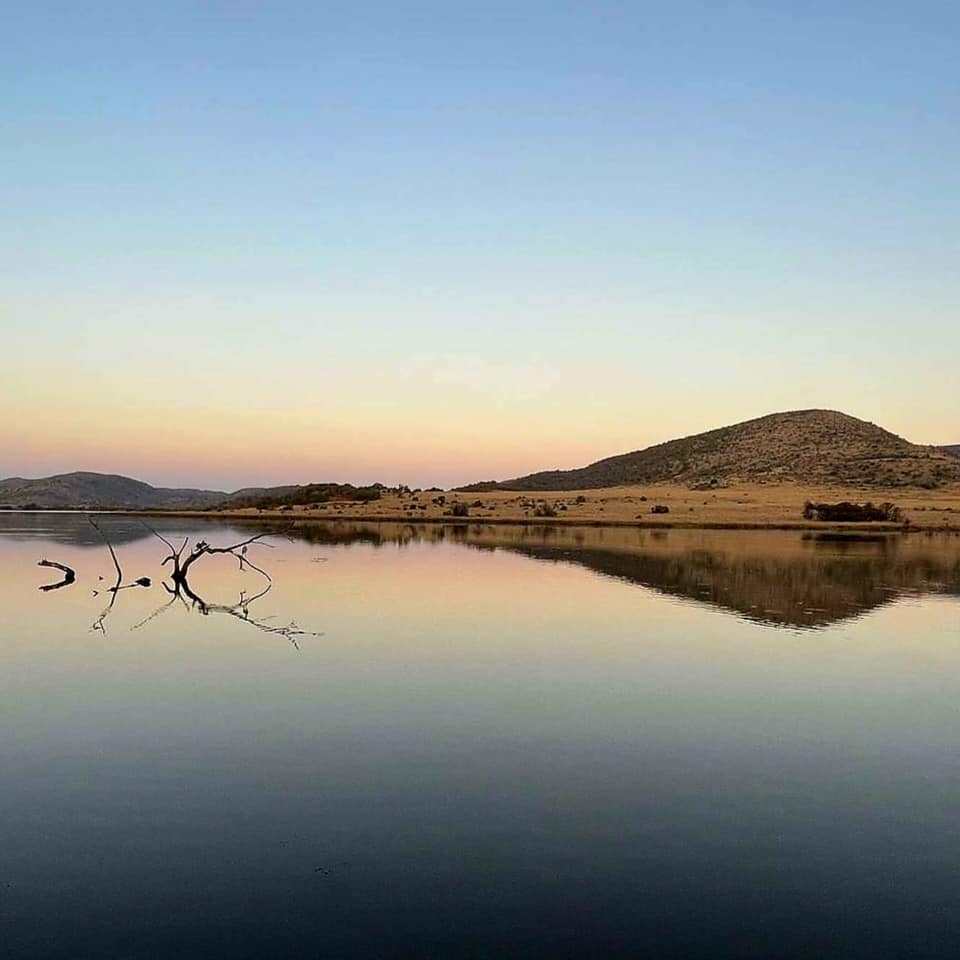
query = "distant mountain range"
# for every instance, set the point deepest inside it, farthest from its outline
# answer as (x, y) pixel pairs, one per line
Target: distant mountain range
(100, 491)
(805, 446)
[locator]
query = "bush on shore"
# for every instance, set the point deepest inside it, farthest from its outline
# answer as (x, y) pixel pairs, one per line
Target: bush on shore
(852, 512)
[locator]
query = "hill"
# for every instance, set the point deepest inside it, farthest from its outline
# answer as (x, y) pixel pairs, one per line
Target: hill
(802, 446)
(100, 491)
(953, 449)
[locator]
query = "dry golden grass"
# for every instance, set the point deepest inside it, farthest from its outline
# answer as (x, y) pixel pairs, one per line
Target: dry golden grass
(742, 505)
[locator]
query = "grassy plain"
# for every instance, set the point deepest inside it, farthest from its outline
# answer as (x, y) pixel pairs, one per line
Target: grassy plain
(746, 505)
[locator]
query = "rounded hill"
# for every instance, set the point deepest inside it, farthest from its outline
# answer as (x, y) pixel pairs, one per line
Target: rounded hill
(801, 446)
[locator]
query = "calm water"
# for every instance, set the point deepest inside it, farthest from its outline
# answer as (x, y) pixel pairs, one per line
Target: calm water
(478, 742)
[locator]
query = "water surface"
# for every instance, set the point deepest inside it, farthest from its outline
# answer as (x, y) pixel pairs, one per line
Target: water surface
(472, 741)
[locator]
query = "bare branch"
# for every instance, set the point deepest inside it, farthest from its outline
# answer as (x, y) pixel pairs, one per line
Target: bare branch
(241, 610)
(158, 535)
(98, 624)
(202, 548)
(69, 575)
(156, 613)
(113, 554)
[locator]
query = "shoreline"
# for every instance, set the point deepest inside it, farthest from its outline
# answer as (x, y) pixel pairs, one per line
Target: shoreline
(742, 506)
(652, 524)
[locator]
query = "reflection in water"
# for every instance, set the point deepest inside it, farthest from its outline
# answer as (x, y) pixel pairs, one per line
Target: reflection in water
(493, 751)
(114, 591)
(790, 578)
(74, 528)
(81, 530)
(798, 579)
(181, 592)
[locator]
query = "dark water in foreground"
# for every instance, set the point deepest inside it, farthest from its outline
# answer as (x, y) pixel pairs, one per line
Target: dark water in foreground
(481, 742)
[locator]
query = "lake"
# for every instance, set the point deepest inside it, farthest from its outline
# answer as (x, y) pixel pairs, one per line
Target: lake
(479, 742)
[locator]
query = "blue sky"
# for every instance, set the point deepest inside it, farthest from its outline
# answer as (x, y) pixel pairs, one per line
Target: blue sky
(413, 241)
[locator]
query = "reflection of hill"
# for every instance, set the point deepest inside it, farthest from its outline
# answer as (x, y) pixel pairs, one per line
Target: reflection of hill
(794, 578)
(789, 578)
(787, 592)
(74, 529)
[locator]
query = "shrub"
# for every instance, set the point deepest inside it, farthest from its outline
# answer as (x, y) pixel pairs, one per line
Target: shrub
(312, 493)
(545, 510)
(460, 510)
(659, 508)
(852, 512)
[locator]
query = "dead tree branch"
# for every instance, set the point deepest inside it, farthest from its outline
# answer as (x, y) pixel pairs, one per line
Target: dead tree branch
(237, 550)
(69, 575)
(162, 608)
(241, 610)
(113, 554)
(201, 548)
(98, 624)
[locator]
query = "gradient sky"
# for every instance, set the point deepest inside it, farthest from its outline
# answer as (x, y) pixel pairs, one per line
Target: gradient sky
(442, 242)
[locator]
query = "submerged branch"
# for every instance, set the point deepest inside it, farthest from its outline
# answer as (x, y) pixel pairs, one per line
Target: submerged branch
(241, 611)
(113, 554)
(202, 548)
(69, 575)
(162, 608)
(181, 566)
(182, 591)
(98, 624)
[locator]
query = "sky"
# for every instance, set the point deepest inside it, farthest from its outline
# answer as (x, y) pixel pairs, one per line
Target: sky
(433, 243)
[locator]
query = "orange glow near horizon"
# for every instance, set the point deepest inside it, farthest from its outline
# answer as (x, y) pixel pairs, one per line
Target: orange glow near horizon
(225, 452)
(220, 422)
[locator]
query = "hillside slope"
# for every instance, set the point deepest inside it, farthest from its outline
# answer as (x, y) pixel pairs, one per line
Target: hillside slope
(100, 491)
(804, 446)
